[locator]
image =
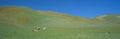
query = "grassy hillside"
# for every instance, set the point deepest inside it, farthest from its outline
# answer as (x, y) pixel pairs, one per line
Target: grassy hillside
(19, 23)
(113, 18)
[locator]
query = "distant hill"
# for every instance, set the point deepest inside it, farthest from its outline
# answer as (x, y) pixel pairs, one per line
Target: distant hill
(18, 22)
(18, 16)
(114, 18)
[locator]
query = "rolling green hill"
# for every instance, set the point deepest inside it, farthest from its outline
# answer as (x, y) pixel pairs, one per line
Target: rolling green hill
(113, 18)
(19, 23)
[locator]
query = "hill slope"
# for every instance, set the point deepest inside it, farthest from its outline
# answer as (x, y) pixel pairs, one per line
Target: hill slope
(19, 23)
(114, 18)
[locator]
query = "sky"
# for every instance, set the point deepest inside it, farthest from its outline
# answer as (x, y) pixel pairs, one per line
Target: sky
(83, 8)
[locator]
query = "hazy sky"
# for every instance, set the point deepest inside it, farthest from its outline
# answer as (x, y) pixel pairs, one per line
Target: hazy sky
(85, 8)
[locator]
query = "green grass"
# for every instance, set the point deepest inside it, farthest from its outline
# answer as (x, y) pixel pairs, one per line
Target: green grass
(19, 23)
(26, 32)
